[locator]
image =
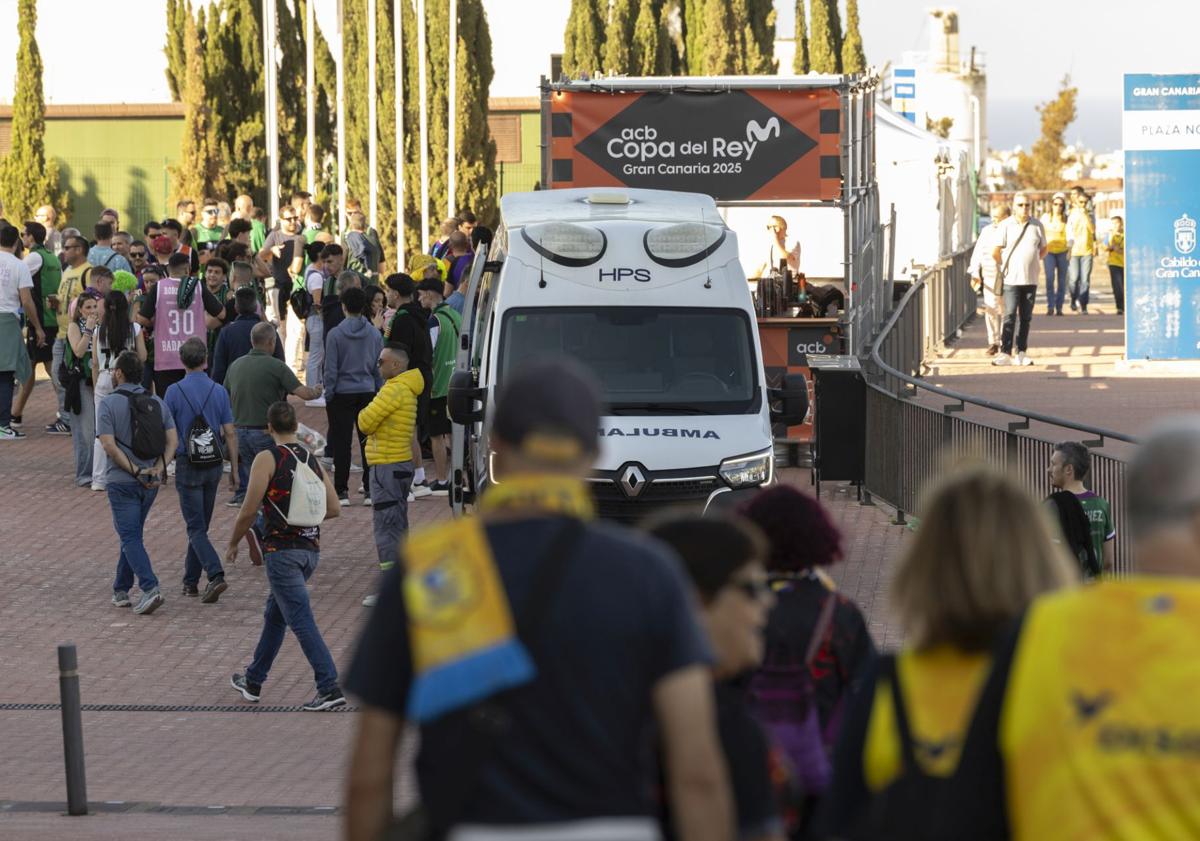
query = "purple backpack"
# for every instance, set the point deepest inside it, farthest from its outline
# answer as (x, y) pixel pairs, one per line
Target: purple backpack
(784, 696)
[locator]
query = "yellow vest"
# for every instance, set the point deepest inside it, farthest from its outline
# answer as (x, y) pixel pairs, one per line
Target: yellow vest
(1100, 729)
(1056, 233)
(389, 419)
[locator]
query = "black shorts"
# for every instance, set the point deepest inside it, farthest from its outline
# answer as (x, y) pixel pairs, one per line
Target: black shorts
(423, 414)
(37, 355)
(439, 418)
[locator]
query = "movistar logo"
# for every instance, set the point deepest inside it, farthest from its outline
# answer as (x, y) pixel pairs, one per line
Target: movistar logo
(658, 431)
(1088, 708)
(757, 133)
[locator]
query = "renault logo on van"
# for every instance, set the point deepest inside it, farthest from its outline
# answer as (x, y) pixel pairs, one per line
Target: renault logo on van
(632, 481)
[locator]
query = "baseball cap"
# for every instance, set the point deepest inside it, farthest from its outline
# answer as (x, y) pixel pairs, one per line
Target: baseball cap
(549, 410)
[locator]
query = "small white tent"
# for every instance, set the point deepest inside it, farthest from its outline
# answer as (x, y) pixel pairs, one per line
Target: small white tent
(928, 180)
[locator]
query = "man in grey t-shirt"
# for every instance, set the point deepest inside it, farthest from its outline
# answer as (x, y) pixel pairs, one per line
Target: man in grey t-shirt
(1020, 247)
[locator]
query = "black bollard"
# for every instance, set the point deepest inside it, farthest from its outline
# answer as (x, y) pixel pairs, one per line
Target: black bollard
(72, 724)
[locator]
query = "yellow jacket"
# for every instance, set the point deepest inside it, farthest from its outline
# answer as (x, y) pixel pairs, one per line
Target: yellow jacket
(389, 419)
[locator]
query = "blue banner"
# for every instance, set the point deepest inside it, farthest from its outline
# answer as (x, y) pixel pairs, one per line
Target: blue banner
(1161, 127)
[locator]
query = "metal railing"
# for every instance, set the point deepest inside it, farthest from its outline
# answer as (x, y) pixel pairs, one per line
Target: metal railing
(908, 441)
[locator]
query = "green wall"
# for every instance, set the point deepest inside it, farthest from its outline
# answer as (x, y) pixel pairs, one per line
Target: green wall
(115, 162)
(521, 177)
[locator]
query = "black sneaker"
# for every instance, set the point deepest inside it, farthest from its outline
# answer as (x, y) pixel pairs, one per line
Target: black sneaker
(331, 699)
(214, 590)
(250, 691)
(58, 428)
(439, 488)
(235, 502)
(121, 599)
(191, 589)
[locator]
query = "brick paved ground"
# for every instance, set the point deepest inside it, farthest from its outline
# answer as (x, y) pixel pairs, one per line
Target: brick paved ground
(57, 556)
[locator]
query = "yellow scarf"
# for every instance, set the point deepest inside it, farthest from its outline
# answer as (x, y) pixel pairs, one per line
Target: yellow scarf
(464, 642)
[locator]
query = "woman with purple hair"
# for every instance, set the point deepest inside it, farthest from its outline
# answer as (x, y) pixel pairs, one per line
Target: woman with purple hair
(817, 641)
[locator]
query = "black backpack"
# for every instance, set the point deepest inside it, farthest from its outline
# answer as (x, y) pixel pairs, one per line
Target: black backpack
(202, 446)
(301, 300)
(148, 433)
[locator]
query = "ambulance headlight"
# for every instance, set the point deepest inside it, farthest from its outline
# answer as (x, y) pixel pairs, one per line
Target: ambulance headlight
(683, 244)
(748, 471)
(566, 243)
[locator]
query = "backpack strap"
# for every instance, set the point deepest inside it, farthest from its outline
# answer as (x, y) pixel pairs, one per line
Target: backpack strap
(821, 628)
(889, 669)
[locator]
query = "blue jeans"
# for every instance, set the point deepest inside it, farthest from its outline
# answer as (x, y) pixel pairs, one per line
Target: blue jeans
(56, 357)
(130, 506)
(1056, 281)
(1079, 276)
(1018, 304)
(1117, 275)
(197, 488)
(314, 325)
(251, 442)
(6, 396)
(288, 607)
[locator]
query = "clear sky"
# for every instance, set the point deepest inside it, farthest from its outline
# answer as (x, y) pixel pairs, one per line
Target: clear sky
(112, 53)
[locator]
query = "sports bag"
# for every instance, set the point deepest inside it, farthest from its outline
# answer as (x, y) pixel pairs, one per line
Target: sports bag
(202, 445)
(306, 502)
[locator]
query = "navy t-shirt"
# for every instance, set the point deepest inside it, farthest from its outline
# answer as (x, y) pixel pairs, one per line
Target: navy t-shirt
(581, 742)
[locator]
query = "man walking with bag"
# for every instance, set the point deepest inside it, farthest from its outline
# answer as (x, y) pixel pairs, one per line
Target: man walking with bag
(201, 408)
(293, 496)
(1018, 254)
(984, 277)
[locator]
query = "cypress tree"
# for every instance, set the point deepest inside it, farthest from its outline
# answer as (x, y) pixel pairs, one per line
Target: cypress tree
(721, 42)
(475, 158)
(198, 172)
(582, 52)
(235, 96)
(760, 35)
(618, 37)
(27, 179)
(693, 16)
(853, 58)
(800, 64)
(177, 15)
(824, 54)
(647, 52)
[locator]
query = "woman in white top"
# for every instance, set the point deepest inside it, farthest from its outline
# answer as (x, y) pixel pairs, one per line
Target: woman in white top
(117, 332)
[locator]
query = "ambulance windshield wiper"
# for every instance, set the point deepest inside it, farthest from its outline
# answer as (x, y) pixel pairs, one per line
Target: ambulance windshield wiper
(656, 409)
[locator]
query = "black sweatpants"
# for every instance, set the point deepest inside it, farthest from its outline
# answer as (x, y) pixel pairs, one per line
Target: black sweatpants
(343, 422)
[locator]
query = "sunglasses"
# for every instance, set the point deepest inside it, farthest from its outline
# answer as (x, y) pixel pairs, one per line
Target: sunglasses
(758, 589)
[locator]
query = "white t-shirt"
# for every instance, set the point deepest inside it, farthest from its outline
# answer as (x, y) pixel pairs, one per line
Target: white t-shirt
(105, 361)
(34, 261)
(1025, 266)
(14, 276)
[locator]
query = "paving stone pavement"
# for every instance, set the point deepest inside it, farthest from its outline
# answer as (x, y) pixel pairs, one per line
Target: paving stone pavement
(57, 557)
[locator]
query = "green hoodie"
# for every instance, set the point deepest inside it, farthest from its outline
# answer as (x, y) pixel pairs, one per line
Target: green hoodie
(446, 350)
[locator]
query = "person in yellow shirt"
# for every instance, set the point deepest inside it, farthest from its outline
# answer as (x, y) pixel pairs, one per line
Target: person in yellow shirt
(1081, 243)
(388, 422)
(1100, 736)
(1055, 261)
(1116, 262)
(910, 763)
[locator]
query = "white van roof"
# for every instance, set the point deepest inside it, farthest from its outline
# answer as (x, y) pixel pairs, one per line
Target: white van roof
(602, 203)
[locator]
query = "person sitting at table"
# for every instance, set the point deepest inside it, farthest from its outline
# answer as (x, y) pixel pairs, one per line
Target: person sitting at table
(779, 248)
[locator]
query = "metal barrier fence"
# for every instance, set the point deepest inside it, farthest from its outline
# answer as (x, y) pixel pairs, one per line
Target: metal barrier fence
(909, 442)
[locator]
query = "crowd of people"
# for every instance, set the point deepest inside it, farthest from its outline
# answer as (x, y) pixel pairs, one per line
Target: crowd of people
(1015, 249)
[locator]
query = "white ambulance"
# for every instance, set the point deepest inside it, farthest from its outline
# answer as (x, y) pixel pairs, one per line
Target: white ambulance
(645, 288)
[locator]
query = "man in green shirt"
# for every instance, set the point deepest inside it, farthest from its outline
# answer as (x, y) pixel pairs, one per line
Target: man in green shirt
(254, 382)
(208, 230)
(1069, 466)
(445, 350)
(47, 275)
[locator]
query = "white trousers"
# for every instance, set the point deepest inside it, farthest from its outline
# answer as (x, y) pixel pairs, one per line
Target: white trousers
(993, 314)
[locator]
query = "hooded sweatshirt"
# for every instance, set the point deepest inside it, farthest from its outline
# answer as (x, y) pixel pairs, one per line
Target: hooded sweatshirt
(409, 329)
(351, 356)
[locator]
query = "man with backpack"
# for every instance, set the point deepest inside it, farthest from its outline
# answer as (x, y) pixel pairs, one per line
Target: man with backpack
(445, 351)
(103, 254)
(319, 276)
(201, 408)
(137, 432)
(293, 496)
(1070, 464)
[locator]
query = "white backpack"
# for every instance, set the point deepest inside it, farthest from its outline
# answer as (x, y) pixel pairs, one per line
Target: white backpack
(306, 504)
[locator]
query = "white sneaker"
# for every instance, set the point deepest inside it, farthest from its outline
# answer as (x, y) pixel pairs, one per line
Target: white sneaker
(355, 468)
(344, 500)
(369, 601)
(420, 491)
(97, 486)
(1022, 359)
(367, 501)
(171, 469)
(10, 433)
(1002, 359)
(226, 468)
(319, 403)
(411, 497)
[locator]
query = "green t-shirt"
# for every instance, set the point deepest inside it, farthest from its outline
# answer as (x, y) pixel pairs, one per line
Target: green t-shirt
(258, 235)
(201, 234)
(255, 382)
(445, 353)
(1099, 514)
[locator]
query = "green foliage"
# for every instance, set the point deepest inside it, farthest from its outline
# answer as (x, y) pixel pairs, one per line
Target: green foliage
(618, 37)
(1042, 168)
(854, 60)
(760, 36)
(721, 42)
(27, 179)
(582, 50)
(650, 52)
(825, 40)
(801, 64)
(728, 37)
(198, 173)
(234, 63)
(941, 127)
(176, 13)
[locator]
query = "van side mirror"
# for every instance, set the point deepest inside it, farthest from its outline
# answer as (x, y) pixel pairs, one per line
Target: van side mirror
(792, 398)
(465, 401)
